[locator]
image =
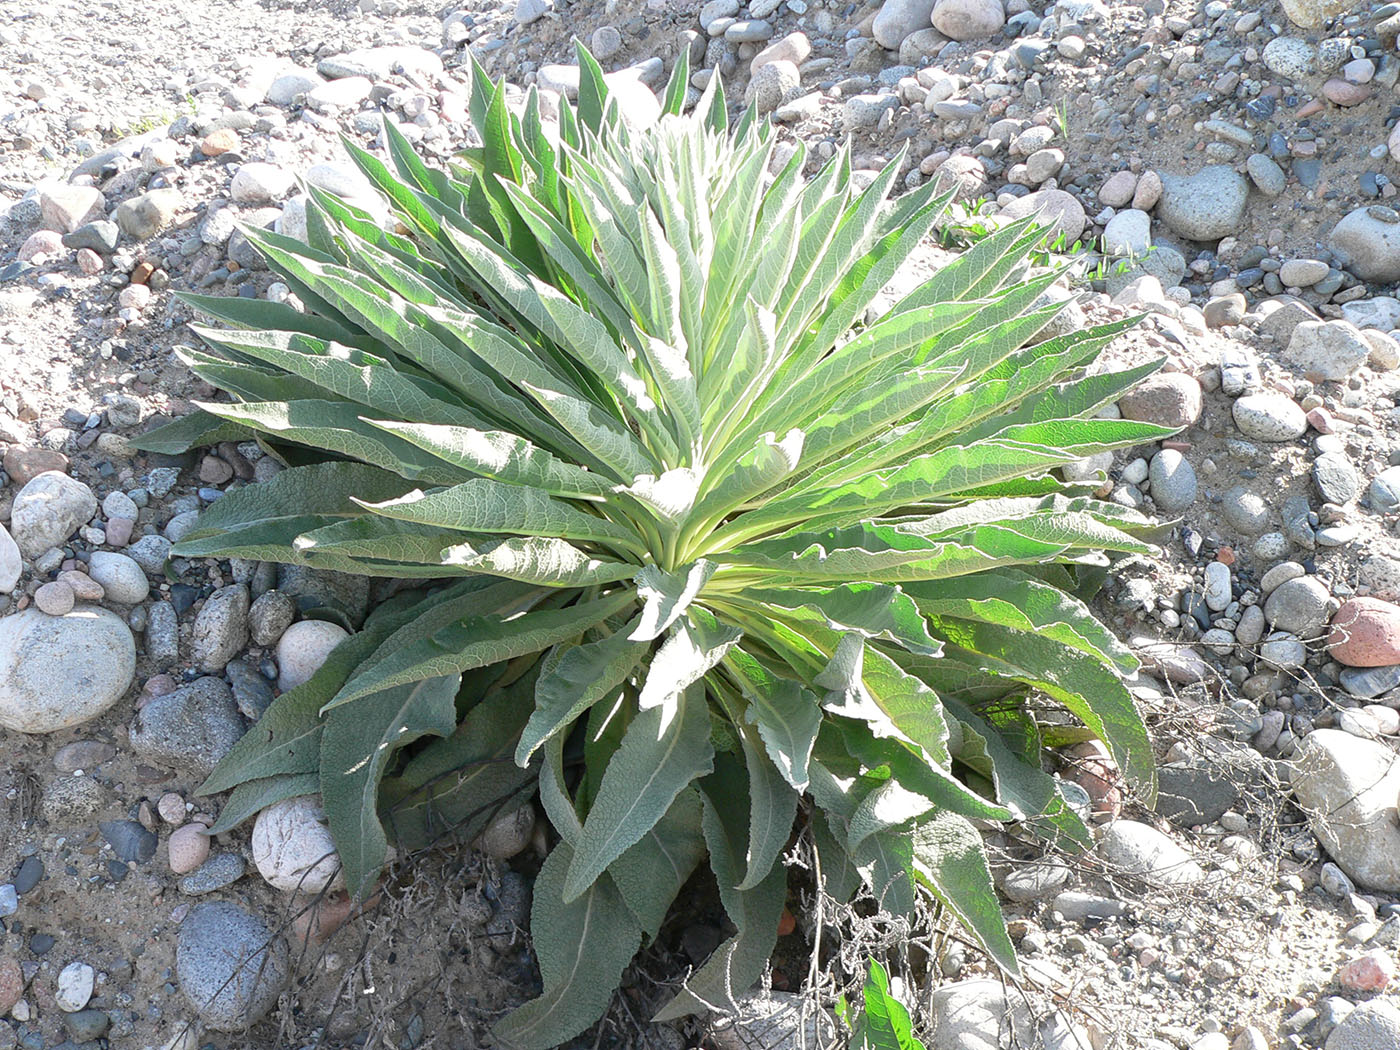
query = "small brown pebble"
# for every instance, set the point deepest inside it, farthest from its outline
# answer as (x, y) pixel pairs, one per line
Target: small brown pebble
(315, 919)
(189, 848)
(141, 273)
(159, 685)
(171, 808)
(214, 471)
(787, 922)
(146, 816)
(84, 587)
(82, 754)
(54, 598)
(217, 143)
(24, 464)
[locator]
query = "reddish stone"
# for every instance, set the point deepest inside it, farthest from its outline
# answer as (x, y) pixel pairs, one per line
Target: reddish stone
(141, 273)
(1370, 973)
(40, 242)
(11, 983)
(89, 261)
(1225, 555)
(1094, 769)
(1341, 93)
(217, 143)
(1321, 420)
(83, 586)
(1309, 108)
(1365, 633)
(315, 919)
(787, 922)
(159, 685)
(24, 464)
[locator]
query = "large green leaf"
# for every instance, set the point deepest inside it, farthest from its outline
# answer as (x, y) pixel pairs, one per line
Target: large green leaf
(356, 745)
(476, 641)
(951, 861)
(663, 751)
(740, 960)
(583, 944)
(577, 678)
(652, 871)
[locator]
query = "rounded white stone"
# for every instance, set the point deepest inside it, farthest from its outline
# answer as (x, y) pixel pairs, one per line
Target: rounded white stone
(60, 671)
(303, 648)
(122, 579)
(293, 849)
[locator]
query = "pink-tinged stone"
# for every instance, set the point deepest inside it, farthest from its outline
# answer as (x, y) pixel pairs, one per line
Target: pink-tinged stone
(1169, 399)
(453, 107)
(217, 143)
(134, 297)
(159, 685)
(317, 917)
(1340, 93)
(11, 983)
(1148, 192)
(1118, 189)
(189, 848)
(1365, 633)
(89, 261)
(214, 471)
(40, 242)
(1309, 109)
(1321, 420)
(119, 531)
(1093, 769)
(171, 808)
(84, 587)
(1369, 973)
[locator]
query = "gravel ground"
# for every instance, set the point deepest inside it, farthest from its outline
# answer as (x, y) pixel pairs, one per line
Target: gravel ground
(1203, 156)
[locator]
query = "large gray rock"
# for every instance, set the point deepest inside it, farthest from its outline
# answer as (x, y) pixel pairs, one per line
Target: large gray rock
(1367, 242)
(231, 967)
(11, 563)
(122, 579)
(968, 19)
(1142, 850)
(1205, 206)
(773, 1021)
(1373, 1025)
(899, 19)
(1311, 14)
(976, 1015)
(1269, 417)
(1173, 481)
(191, 728)
(1058, 210)
(49, 509)
(1197, 794)
(1299, 607)
(221, 628)
(61, 671)
(1348, 786)
(1328, 350)
(377, 63)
